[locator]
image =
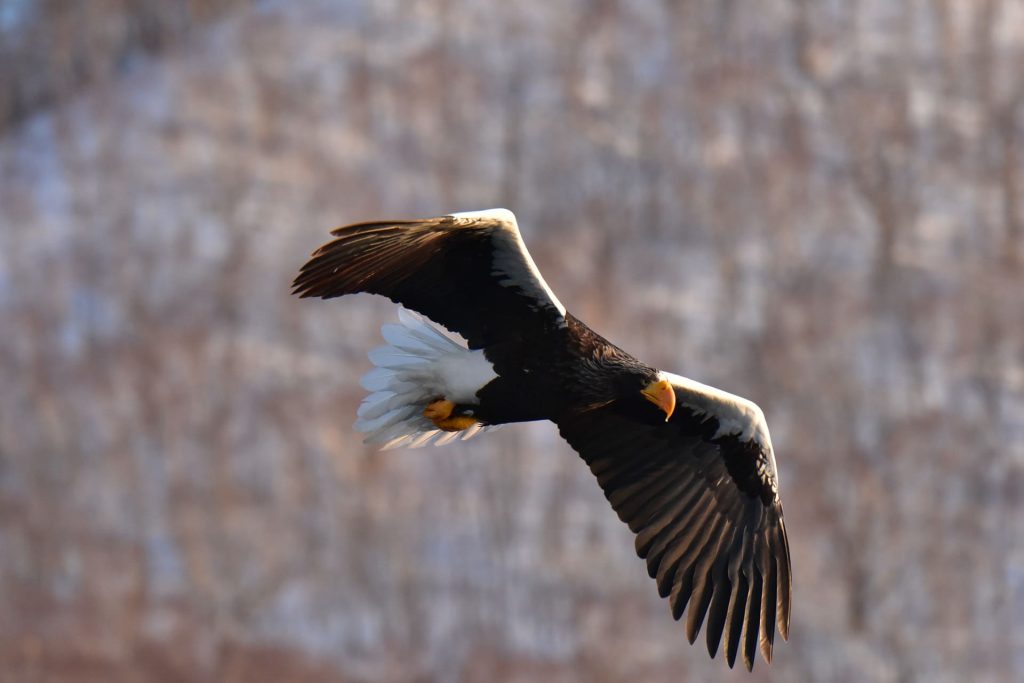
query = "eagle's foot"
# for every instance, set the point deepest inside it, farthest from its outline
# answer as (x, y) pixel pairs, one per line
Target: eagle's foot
(440, 413)
(441, 409)
(456, 423)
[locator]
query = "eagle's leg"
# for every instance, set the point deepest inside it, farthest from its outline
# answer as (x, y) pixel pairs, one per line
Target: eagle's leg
(440, 413)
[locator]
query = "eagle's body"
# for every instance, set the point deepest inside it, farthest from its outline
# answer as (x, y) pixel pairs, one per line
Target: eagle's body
(688, 467)
(550, 376)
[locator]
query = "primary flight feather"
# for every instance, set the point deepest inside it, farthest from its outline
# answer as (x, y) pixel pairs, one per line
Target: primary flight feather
(688, 467)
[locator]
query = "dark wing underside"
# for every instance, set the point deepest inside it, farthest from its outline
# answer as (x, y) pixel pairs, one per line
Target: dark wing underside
(713, 538)
(471, 273)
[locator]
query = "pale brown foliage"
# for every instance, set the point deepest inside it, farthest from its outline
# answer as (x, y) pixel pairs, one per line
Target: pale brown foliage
(817, 206)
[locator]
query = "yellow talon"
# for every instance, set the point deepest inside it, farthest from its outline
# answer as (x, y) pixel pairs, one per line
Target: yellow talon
(455, 424)
(440, 413)
(441, 409)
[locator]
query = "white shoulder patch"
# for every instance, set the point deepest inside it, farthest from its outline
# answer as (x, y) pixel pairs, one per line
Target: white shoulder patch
(513, 264)
(500, 215)
(735, 414)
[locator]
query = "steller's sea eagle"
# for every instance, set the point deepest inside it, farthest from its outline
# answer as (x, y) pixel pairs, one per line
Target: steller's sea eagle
(688, 467)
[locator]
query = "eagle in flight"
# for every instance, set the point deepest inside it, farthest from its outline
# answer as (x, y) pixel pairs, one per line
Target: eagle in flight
(688, 467)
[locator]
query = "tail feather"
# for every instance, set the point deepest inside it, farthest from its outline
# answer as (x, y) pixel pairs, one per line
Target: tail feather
(383, 379)
(381, 405)
(408, 376)
(423, 330)
(396, 359)
(379, 423)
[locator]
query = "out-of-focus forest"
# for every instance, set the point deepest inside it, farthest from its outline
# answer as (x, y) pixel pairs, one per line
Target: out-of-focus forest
(819, 206)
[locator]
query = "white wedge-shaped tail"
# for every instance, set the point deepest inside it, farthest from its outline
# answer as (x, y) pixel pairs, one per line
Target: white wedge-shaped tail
(421, 363)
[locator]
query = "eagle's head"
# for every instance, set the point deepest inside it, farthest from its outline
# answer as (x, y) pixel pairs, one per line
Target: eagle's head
(661, 393)
(639, 386)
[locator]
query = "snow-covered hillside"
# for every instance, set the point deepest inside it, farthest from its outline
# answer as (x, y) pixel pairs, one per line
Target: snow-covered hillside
(819, 206)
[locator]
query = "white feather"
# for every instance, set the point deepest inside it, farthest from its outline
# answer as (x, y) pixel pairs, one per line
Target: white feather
(424, 330)
(396, 336)
(390, 357)
(420, 364)
(384, 379)
(378, 404)
(447, 437)
(386, 420)
(423, 439)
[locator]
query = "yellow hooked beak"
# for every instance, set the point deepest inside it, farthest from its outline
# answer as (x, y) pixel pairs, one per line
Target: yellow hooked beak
(661, 394)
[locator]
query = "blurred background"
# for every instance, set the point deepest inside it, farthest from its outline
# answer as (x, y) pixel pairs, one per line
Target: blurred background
(819, 206)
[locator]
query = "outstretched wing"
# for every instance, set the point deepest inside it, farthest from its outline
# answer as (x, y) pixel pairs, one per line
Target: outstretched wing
(470, 272)
(701, 494)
